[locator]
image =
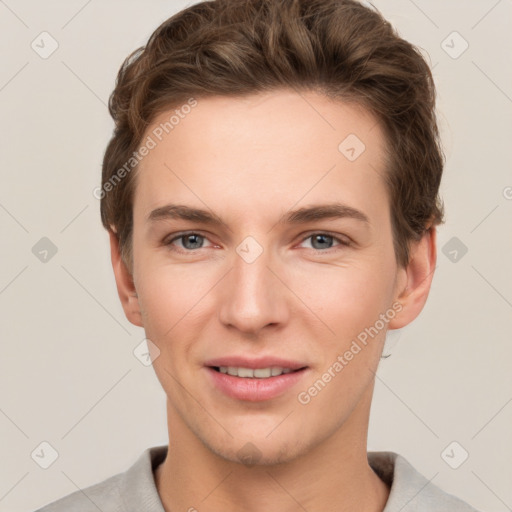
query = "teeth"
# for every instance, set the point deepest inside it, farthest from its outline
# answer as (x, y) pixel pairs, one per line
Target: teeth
(260, 373)
(263, 373)
(243, 372)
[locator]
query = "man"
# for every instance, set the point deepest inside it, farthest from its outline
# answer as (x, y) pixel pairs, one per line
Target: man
(271, 197)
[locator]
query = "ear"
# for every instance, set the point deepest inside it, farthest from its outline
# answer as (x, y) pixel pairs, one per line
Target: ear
(414, 281)
(125, 285)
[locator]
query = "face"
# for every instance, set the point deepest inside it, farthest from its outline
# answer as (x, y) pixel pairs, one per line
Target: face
(264, 282)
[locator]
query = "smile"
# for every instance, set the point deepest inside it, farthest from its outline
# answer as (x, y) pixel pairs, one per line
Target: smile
(254, 385)
(259, 373)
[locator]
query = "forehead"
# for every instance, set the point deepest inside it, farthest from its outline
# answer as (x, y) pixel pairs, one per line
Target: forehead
(256, 153)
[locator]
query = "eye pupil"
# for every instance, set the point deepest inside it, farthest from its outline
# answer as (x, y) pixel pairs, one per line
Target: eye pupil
(320, 237)
(196, 245)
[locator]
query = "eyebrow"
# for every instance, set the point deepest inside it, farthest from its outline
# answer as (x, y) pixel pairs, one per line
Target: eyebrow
(300, 216)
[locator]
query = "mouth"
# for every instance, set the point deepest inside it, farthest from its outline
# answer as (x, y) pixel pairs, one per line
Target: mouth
(256, 373)
(255, 384)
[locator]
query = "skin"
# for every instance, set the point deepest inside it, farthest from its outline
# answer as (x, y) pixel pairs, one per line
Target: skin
(251, 160)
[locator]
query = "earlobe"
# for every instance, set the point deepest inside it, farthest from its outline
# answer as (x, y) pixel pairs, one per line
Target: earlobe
(124, 282)
(416, 281)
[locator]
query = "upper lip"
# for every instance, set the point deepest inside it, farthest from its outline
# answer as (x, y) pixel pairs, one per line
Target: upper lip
(258, 362)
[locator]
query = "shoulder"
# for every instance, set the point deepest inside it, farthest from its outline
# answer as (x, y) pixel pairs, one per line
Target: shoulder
(409, 489)
(104, 496)
(133, 489)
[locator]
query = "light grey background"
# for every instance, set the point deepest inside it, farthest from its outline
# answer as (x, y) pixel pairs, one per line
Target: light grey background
(68, 375)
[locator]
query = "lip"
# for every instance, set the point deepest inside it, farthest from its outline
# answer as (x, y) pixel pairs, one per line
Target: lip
(254, 389)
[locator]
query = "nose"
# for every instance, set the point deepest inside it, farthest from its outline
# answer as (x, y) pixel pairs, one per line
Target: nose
(254, 294)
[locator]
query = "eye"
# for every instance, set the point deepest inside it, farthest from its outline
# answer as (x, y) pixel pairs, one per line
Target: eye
(190, 242)
(193, 241)
(323, 241)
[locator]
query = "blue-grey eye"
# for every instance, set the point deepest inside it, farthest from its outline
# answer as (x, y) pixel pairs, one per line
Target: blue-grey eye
(321, 240)
(194, 239)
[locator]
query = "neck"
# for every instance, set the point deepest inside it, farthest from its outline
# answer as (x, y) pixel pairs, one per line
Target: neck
(332, 476)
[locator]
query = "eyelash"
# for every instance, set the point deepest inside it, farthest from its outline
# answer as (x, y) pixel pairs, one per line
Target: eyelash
(342, 242)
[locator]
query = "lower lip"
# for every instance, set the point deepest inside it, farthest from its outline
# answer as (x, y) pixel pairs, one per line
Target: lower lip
(254, 389)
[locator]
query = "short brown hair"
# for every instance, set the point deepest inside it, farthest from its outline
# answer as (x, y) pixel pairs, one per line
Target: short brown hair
(238, 47)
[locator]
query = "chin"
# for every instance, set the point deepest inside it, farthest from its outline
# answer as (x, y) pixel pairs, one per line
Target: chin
(254, 452)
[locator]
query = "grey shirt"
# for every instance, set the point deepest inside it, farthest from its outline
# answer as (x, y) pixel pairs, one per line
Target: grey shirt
(134, 490)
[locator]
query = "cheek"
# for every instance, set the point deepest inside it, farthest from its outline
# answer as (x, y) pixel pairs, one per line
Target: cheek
(347, 297)
(350, 302)
(169, 303)
(176, 299)
(166, 296)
